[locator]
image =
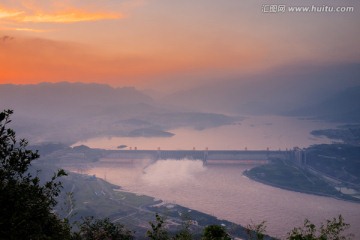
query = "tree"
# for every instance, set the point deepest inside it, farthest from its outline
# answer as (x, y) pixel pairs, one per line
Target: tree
(333, 230)
(102, 229)
(256, 231)
(26, 204)
(158, 231)
(185, 232)
(215, 232)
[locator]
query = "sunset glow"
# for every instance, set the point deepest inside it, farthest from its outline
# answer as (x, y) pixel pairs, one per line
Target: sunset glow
(141, 43)
(66, 17)
(246, 110)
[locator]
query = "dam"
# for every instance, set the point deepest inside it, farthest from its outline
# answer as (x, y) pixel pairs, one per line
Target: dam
(207, 156)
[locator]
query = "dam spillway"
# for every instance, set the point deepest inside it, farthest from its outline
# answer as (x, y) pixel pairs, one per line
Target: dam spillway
(207, 156)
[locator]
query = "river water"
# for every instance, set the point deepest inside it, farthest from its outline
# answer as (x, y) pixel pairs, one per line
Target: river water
(222, 190)
(253, 133)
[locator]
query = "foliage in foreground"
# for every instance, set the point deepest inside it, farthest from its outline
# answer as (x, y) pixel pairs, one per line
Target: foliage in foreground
(332, 230)
(94, 229)
(27, 207)
(26, 204)
(157, 231)
(256, 231)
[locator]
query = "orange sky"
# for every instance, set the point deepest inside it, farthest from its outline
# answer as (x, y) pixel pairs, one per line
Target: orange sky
(148, 43)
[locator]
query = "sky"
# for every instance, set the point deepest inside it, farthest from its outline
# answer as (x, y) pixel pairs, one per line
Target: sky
(168, 44)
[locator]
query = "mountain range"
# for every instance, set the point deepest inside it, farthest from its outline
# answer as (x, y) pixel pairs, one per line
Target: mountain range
(69, 112)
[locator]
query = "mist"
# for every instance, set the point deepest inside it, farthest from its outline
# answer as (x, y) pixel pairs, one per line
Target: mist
(223, 191)
(172, 173)
(276, 91)
(71, 112)
(116, 92)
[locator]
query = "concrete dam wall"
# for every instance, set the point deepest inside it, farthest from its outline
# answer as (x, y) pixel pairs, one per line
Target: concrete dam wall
(208, 156)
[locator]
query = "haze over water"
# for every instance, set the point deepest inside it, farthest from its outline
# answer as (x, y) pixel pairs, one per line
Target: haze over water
(222, 190)
(204, 56)
(254, 132)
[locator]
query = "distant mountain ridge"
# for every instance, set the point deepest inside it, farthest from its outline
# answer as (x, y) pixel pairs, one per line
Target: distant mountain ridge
(342, 107)
(69, 112)
(274, 92)
(68, 95)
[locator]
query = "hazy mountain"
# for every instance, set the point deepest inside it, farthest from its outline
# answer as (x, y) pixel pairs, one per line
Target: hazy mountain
(343, 107)
(68, 97)
(68, 112)
(275, 92)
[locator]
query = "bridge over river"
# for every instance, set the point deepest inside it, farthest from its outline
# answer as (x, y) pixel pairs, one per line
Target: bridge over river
(207, 156)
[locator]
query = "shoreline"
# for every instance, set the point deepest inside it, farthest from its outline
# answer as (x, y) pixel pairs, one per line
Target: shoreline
(245, 173)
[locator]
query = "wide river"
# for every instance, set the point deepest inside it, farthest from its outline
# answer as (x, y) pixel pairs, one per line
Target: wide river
(253, 133)
(222, 190)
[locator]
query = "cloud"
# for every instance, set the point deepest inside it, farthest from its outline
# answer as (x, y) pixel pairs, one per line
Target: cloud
(9, 13)
(25, 29)
(30, 30)
(65, 16)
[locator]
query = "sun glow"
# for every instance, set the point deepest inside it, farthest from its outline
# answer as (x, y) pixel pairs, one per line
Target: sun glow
(68, 16)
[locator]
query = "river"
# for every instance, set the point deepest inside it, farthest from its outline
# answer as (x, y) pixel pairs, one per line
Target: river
(222, 190)
(253, 133)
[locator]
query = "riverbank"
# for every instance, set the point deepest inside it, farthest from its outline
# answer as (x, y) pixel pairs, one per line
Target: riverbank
(93, 196)
(288, 176)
